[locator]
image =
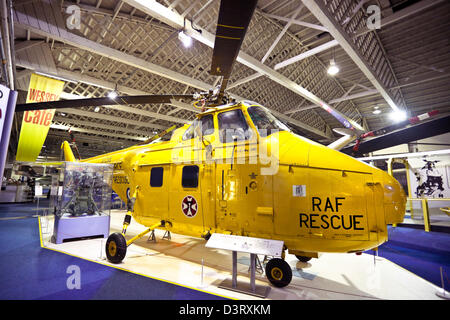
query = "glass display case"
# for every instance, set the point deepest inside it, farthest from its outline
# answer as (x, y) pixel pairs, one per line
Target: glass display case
(80, 199)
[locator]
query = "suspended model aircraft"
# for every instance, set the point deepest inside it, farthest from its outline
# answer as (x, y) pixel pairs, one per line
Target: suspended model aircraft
(238, 170)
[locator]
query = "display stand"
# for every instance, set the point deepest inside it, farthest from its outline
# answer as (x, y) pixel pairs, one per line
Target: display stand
(253, 246)
(80, 227)
(81, 201)
(443, 293)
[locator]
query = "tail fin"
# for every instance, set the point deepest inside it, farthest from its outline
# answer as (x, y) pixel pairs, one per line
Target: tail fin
(68, 154)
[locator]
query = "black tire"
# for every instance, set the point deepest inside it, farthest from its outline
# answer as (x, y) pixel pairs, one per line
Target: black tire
(303, 258)
(278, 272)
(116, 247)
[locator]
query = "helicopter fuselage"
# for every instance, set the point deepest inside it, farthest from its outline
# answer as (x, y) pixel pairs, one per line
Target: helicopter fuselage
(270, 184)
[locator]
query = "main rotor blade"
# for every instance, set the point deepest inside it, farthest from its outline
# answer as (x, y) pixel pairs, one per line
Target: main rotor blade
(234, 19)
(344, 120)
(417, 132)
(157, 136)
(105, 101)
(401, 124)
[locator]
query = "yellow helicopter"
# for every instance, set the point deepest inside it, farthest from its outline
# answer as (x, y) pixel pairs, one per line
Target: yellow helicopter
(238, 170)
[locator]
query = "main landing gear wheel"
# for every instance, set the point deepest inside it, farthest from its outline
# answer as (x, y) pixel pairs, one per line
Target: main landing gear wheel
(278, 272)
(303, 258)
(116, 247)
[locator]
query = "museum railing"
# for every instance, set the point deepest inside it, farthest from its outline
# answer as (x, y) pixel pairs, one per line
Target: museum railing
(428, 211)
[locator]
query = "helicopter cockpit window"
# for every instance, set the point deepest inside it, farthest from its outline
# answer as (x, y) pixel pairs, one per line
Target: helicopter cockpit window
(265, 122)
(207, 126)
(189, 133)
(232, 126)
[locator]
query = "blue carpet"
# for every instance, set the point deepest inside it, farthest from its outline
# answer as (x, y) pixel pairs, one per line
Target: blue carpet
(17, 210)
(422, 253)
(29, 272)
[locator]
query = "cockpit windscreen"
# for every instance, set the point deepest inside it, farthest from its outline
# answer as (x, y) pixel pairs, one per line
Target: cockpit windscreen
(265, 122)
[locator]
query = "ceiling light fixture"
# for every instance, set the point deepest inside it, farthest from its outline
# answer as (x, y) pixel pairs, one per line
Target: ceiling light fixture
(398, 116)
(376, 110)
(185, 39)
(333, 68)
(112, 94)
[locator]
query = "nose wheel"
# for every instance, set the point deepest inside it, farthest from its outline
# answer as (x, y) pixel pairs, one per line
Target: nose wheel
(278, 272)
(116, 247)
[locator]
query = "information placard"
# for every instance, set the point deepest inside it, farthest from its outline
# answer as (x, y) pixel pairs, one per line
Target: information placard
(38, 191)
(266, 247)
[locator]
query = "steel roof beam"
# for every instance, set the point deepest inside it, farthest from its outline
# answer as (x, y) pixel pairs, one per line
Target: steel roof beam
(175, 20)
(102, 116)
(338, 100)
(399, 15)
(97, 132)
(23, 20)
(281, 34)
(319, 10)
(77, 122)
(307, 54)
(78, 77)
(298, 22)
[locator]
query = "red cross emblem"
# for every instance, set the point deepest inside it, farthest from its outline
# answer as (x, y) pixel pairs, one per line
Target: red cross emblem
(189, 206)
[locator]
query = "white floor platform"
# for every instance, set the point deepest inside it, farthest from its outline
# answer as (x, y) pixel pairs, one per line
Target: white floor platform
(179, 261)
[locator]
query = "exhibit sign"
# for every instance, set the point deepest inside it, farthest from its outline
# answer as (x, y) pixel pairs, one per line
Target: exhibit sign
(253, 245)
(36, 123)
(7, 107)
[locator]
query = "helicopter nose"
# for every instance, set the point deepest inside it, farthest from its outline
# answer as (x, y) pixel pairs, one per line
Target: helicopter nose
(394, 200)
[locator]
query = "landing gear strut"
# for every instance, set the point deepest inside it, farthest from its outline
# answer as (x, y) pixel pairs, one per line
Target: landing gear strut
(116, 245)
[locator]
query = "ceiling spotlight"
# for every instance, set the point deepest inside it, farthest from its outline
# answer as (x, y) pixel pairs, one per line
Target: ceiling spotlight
(185, 39)
(398, 116)
(333, 68)
(97, 109)
(112, 95)
(376, 110)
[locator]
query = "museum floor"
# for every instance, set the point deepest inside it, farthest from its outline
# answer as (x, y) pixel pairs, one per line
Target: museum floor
(182, 268)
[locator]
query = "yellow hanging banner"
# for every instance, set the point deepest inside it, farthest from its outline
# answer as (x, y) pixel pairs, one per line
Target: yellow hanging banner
(36, 123)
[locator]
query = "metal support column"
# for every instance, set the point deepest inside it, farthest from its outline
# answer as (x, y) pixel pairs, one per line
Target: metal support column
(252, 271)
(426, 215)
(234, 271)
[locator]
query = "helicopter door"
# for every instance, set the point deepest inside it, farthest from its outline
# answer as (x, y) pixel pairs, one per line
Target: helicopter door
(244, 199)
(155, 188)
(185, 205)
(208, 186)
(257, 194)
(235, 211)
